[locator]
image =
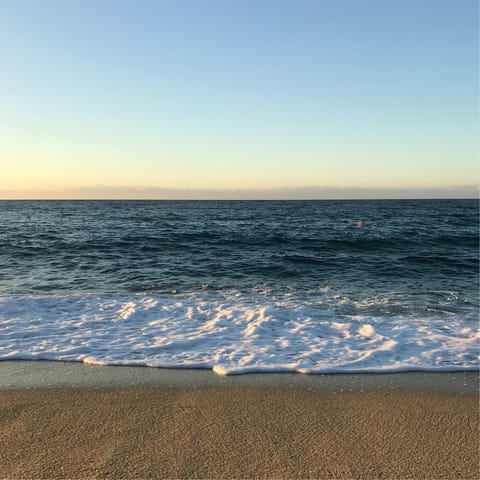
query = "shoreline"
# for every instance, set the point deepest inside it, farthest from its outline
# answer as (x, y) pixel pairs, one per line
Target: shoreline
(27, 374)
(70, 420)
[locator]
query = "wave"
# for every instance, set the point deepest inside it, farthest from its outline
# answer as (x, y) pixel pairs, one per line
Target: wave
(232, 333)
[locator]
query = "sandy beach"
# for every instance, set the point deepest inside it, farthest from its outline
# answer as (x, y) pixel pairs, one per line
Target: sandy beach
(237, 432)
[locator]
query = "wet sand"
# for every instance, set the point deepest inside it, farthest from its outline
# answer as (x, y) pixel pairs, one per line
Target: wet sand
(237, 432)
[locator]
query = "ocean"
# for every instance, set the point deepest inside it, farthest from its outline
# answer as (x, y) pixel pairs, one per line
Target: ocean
(242, 286)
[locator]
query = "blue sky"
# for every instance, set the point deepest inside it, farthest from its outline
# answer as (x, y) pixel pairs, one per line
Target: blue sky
(276, 96)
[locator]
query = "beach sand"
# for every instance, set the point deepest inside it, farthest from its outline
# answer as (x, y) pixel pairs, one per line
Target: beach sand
(237, 432)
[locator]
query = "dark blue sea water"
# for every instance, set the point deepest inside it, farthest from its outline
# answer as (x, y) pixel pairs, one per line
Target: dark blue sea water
(316, 269)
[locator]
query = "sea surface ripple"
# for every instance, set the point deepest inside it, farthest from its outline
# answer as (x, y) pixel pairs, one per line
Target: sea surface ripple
(238, 286)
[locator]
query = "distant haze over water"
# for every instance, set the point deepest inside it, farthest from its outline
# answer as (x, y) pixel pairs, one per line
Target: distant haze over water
(286, 193)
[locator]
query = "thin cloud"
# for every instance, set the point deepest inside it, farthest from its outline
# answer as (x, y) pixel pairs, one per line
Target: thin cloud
(286, 193)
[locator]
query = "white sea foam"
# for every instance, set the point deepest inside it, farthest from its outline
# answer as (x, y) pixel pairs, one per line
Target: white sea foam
(231, 334)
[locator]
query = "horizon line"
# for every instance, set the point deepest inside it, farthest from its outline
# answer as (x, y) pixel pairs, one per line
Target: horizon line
(128, 199)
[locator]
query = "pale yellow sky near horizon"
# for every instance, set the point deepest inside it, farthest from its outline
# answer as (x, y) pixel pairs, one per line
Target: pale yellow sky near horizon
(68, 172)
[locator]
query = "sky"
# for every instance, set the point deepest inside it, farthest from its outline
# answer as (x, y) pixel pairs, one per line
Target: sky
(239, 98)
